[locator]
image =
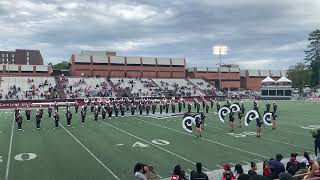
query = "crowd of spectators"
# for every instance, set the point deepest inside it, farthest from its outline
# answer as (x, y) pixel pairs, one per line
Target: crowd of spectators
(26, 88)
(81, 87)
(306, 168)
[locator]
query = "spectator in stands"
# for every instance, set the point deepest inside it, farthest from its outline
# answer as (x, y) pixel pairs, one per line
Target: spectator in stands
(178, 174)
(276, 166)
(302, 168)
(139, 172)
(266, 169)
(253, 169)
(313, 170)
(285, 176)
(239, 174)
(293, 165)
(227, 174)
(306, 158)
(198, 175)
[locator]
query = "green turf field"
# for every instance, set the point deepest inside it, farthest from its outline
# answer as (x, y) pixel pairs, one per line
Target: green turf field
(109, 149)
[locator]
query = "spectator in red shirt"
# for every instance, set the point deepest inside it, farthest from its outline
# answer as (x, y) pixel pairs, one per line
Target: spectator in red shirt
(266, 169)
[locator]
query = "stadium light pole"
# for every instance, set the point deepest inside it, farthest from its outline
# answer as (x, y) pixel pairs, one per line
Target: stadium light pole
(220, 50)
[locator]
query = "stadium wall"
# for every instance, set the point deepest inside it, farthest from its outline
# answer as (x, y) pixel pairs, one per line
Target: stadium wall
(167, 67)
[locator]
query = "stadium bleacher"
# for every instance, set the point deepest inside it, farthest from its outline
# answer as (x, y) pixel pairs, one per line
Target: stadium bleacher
(26, 87)
(79, 87)
(181, 87)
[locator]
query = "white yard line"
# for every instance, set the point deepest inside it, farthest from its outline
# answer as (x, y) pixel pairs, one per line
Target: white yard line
(10, 150)
(159, 147)
(93, 155)
(209, 140)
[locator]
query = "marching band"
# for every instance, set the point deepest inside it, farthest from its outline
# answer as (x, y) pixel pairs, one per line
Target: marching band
(117, 107)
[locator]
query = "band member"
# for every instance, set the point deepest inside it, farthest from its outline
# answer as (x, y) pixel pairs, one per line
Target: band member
(67, 106)
(228, 103)
(28, 113)
(96, 113)
(41, 112)
(275, 107)
(259, 124)
(268, 106)
(122, 109)
(184, 104)
(49, 111)
(116, 110)
(56, 119)
(255, 105)
(16, 111)
(133, 108)
(207, 107)
(198, 107)
(104, 112)
(218, 107)
(179, 106)
(38, 119)
(19, 121)
(56, 107)
(76, 106)
(189, 107)
(110, 109)
(211, 103)
(203, 117)
(99, 105)
(161, 106)
(92, 105)
(147, 109)
(241, 113)
(167, 107)
(154, 107)
(69, 118)
(173, 107)
(231, 120)
(203, 104)
(140, 108)
(198, 126)
(316, 136)
(83, 115)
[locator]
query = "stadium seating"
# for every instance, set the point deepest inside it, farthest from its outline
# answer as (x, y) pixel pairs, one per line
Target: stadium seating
(26, 87)
(138, 87)
(77, 87)
(180, 87)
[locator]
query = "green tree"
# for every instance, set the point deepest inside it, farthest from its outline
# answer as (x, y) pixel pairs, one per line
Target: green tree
(313, 56)
(63, 65)
(300, 75)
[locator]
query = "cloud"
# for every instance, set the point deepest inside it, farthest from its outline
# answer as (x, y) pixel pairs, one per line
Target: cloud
(265, 32)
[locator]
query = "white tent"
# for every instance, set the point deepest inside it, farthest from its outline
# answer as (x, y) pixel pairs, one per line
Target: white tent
(283, 79)
(268, 79)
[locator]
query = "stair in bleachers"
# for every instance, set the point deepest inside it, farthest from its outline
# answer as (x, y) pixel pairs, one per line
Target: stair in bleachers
(60, 90)
(203, 91)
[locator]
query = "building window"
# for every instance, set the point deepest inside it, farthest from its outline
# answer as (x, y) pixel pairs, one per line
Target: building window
(7, 55)
(13, 60)
(12, 56)
(27, 53)
(2, 55)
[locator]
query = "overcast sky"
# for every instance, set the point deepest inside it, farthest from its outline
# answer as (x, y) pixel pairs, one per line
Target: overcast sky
(261, 34)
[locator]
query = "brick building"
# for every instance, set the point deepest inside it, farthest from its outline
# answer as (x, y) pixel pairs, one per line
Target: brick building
(23, 62)
(21, 56)
(103, 63)
(230, 75)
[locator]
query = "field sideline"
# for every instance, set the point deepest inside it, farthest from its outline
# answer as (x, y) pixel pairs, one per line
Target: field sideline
(109, 149)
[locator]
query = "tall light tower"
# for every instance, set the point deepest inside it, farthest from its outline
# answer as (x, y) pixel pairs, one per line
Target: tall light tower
(220, 50)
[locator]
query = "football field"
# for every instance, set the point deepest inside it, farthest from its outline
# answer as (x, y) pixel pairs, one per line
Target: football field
(108, 149)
